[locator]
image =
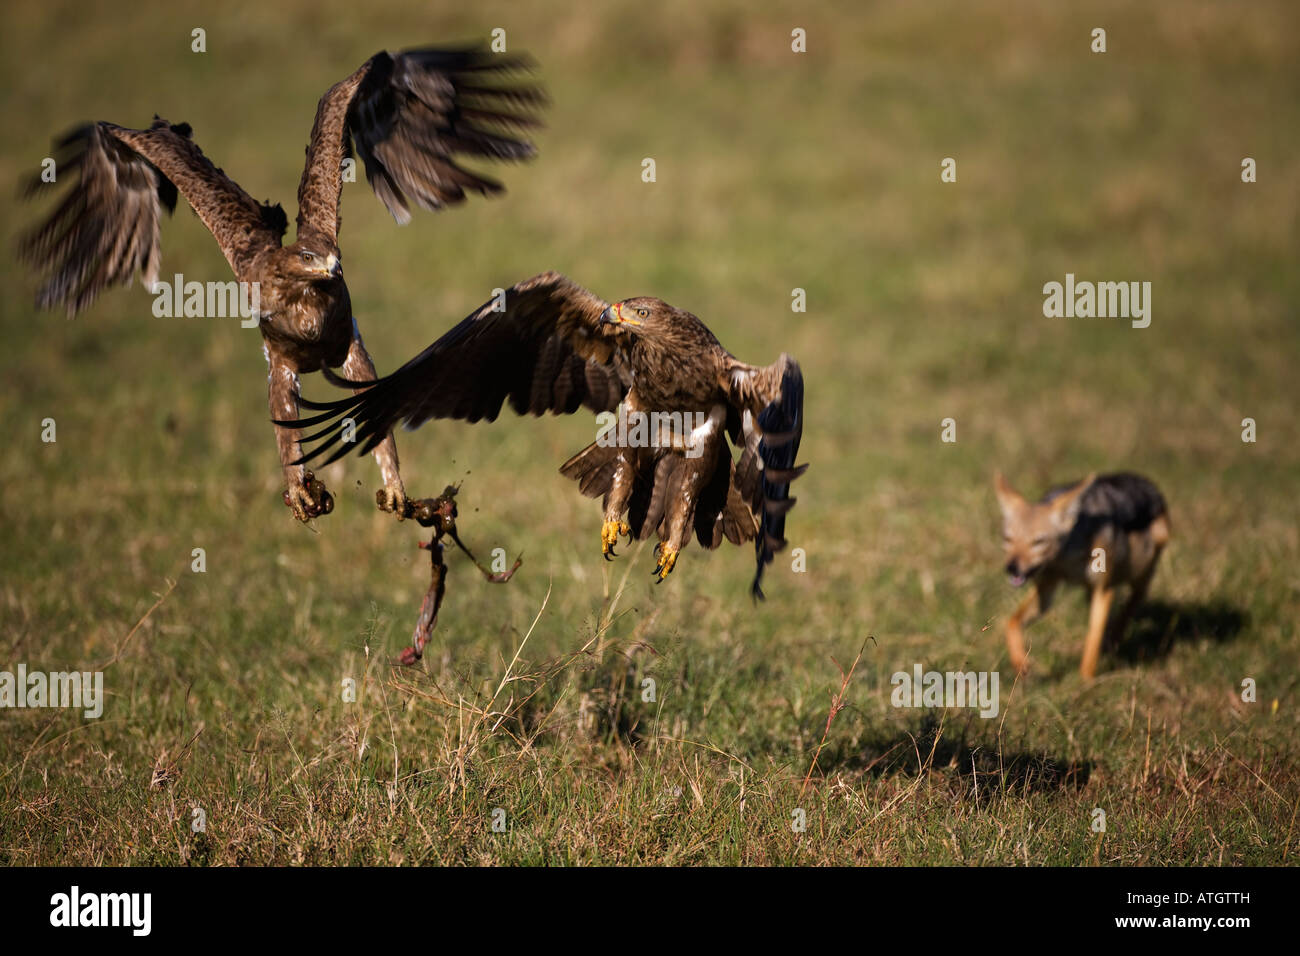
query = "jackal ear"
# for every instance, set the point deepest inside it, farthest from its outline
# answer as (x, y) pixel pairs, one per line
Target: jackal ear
(1008, 498)
(1065, 507)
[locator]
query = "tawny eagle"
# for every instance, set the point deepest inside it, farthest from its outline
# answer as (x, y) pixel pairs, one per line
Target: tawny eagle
(552, 346)
(409, 115)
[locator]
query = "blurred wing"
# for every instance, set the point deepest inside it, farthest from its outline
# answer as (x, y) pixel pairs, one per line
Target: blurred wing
(546, 352)
(107, 227)
(409, 115)
(770, 403)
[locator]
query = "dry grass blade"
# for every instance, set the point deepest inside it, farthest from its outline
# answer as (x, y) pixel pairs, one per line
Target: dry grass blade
(837, 704)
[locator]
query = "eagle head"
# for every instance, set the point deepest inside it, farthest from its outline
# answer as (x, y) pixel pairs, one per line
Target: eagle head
(640, 315)
(311, 261)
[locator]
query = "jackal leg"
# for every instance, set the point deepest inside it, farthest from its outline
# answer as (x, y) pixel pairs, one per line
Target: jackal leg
(1034, 606)
(358, 367)
(1098, 611)
(1141, 583)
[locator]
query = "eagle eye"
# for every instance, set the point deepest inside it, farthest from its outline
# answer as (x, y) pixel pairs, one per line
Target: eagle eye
(308, 256)
(643, 313)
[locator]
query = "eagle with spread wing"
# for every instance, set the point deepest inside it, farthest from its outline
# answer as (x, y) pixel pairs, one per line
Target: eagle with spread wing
(552, 346)
(409, 116)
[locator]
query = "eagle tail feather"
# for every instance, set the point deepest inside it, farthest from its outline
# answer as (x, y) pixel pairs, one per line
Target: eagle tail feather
(781, 424)
(593, 468)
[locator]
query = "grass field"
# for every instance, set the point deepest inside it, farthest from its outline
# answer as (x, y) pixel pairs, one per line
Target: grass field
(775, 170)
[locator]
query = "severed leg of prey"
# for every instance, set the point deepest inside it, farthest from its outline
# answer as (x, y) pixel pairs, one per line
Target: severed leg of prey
(440, 515)
(428, 618)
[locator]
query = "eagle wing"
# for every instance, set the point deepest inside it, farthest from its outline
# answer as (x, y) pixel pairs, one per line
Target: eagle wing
(107, 227)
(769, 403)
(409, 115)
(544, 351)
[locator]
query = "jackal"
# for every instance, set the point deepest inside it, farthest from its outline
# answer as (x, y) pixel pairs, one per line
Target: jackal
(1102, 532)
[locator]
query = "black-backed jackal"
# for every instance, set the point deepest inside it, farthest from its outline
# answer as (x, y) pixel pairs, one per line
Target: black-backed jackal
(1102, 532)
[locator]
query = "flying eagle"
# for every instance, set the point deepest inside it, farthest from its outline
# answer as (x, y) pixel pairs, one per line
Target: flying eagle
(409, 115)
(552, 346)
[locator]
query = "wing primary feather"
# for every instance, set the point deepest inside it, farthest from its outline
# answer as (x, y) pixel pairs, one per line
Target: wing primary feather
(338, 380)
(106, 228)
(409, 116)
(545, 352)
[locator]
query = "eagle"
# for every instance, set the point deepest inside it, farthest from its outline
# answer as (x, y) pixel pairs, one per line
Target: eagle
(662, 465)
(410, 116)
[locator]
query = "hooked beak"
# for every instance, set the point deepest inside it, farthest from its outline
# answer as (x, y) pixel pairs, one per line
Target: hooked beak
(614, 316)
(327, 267)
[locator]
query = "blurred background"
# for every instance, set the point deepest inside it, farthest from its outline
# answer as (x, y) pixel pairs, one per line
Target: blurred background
(775, 170)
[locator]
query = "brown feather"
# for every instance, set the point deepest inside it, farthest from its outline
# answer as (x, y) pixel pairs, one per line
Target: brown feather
(106, 229)
(409, 116)
(549, 333)
(557, 347)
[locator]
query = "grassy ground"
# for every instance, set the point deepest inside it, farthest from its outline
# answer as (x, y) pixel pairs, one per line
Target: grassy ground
(775, 171)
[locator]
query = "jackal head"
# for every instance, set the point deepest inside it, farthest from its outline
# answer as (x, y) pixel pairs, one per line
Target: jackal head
(1032, 534)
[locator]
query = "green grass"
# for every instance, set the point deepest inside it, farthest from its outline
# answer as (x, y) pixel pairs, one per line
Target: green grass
(775, 171)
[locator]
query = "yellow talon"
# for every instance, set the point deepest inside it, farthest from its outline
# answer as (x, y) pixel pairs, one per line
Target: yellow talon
(667, 558)
(609, 533)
